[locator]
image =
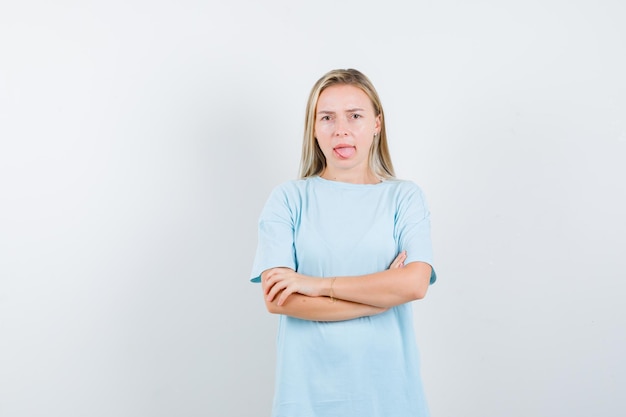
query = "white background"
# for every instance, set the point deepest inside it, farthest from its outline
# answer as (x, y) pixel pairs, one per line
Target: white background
(140, 139)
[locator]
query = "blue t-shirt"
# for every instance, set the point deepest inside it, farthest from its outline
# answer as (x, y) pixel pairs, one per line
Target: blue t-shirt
(365, 367)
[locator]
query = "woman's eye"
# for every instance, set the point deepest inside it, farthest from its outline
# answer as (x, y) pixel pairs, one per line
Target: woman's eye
(356, 116)
(325, 118)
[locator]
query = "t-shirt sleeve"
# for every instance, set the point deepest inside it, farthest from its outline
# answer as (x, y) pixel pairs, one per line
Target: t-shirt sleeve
(413, 226)
(275, 247)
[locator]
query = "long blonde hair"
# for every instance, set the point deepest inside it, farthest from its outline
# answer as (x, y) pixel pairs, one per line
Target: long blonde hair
(313, 160)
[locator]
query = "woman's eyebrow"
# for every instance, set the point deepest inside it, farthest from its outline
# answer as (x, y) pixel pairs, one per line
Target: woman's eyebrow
(346, 111)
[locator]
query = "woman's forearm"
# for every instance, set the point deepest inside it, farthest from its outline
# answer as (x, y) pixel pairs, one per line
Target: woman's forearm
(383, 289)
(321, 308)
(397, 285)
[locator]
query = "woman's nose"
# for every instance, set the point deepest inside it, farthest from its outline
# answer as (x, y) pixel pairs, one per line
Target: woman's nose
(340, 128)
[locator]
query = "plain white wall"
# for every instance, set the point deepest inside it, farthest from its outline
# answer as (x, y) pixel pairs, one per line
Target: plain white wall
(139, 140)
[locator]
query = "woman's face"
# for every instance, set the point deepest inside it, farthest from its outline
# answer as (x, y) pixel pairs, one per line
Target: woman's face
(345, 124)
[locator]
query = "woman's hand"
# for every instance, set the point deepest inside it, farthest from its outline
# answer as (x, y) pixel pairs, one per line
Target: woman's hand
(283, 282)
(399, 261)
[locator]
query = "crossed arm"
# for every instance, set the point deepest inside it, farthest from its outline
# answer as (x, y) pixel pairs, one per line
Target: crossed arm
(297, 295)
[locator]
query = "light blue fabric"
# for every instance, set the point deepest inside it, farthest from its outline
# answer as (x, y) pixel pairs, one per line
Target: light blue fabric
(366, 367)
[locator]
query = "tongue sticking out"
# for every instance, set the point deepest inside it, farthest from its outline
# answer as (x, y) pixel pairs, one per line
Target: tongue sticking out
(345, 152)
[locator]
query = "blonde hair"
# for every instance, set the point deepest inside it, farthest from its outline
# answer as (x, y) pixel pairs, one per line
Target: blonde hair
(313, 160)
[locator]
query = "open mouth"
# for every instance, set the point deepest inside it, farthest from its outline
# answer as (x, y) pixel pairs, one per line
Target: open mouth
(345, 151)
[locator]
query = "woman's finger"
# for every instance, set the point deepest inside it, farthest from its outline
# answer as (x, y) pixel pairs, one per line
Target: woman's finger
(398, 262)
(284, 295)
(272, 293)
(275, 288)
(268, 282)
(273, 277)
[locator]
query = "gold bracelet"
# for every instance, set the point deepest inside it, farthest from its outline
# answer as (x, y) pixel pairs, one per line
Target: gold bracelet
(332, 294)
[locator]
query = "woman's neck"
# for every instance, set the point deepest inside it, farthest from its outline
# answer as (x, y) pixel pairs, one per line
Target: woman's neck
(352, 177)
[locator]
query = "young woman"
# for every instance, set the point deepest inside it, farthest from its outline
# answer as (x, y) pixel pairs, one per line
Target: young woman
(341, 254)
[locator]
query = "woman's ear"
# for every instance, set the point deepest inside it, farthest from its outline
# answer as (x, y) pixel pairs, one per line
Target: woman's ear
(377, 124)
